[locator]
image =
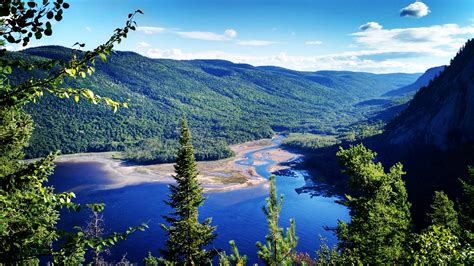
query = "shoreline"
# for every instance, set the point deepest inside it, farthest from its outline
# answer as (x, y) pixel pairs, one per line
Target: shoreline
(214, 176)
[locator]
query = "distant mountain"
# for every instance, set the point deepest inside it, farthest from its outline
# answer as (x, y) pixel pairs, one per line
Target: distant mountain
(355, 84)
(422, 81)
(224, 102)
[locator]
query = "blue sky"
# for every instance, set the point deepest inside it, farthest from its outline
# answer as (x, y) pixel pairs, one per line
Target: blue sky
(361, 35)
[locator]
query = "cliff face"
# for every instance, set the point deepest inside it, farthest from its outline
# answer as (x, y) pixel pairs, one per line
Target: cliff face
(441, 114)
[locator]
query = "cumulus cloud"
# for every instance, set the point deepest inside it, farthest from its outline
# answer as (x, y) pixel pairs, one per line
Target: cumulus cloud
(416, 9)
(370, 26)
(208, 36)
(313, 42)
(148, 30)
(254, 43)
(89, 29)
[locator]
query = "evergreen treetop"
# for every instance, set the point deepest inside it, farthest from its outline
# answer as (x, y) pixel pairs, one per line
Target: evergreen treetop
(187, 237)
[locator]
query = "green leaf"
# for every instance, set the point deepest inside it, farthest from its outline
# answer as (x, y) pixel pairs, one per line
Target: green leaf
(76, 98)
(103, 57)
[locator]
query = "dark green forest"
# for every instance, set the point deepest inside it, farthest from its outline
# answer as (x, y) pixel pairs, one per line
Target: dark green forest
(226, 103)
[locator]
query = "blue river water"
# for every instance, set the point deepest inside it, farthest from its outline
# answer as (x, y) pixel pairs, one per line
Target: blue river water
(237, 214)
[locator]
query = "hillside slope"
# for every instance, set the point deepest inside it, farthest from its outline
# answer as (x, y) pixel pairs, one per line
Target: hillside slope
(442, 114)
(224, 102)
(434, 136)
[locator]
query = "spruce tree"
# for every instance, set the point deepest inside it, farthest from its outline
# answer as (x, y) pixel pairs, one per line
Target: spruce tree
(187, 237)
(280, 246)
(443, 213)
(380, 226)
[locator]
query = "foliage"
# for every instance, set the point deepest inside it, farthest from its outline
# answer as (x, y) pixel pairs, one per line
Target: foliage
(380, 225)
(363, 130)
(30, 210)
(438, 245)
(467, 207)
(309, 142)
(153, 150)
(443, 213)
(151, 260)
(233, 259)
(280, 245)
(187, 237)
(23, 20)
(326, 255)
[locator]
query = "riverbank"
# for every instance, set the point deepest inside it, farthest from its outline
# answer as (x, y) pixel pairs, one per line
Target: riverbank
(215, 176)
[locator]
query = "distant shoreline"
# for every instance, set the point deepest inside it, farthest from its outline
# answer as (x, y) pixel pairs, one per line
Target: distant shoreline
(215, 176)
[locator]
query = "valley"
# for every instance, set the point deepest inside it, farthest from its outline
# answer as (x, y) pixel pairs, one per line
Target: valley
(99, 177)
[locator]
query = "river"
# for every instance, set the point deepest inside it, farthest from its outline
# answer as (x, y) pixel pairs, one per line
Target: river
(238, 214)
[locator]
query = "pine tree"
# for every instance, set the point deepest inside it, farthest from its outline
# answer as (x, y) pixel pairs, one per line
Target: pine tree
(233, 259)
(280, 246)
(187, 237)
(380, 226)
(443, 213)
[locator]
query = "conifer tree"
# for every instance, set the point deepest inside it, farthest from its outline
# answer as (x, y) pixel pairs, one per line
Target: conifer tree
(233, 259)
(187, 237)
(280, 246)
(443, 213)
(380, 226)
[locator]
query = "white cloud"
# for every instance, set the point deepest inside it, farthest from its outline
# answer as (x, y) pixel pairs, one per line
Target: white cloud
(417, 9)
(313, 42)
(148, 30)
(438, 40)
(89, 29)
(201, 35)
(370, 26)
(230, 33)
(208, 36)
(306, 63)
(254, 43)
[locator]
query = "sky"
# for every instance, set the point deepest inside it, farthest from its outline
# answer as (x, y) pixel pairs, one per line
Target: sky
(379, 36)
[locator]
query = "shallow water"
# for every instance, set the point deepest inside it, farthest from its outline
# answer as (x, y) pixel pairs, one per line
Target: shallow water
(238, 214)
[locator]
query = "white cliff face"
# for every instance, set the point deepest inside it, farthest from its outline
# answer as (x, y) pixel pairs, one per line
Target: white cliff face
(442, 114)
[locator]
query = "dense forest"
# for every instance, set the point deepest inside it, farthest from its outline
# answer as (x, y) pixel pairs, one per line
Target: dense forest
(226, 103)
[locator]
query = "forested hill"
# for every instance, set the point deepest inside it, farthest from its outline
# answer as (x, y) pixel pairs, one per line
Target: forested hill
(224, 102)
